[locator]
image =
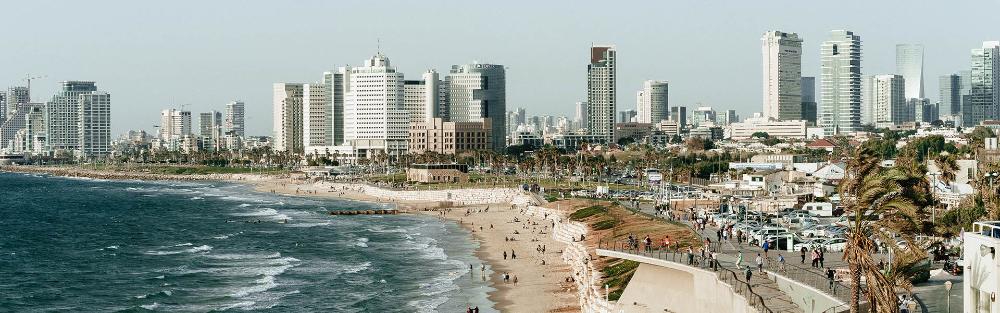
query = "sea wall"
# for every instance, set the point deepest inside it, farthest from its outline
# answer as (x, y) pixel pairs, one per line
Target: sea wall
(458, 197)
(588, 281)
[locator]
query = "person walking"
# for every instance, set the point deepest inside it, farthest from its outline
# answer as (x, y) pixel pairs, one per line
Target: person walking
(815, 258)
(822, 252)
(781, 263)
(766, 246)
(739, 260)
(830, 277)
(749, 273)
(760, 263)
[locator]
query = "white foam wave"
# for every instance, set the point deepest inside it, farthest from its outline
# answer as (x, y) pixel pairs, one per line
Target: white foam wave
(150, 306)
(263, 284)
(261, 212)
(197, 198)
(362, 242)
(197, 249)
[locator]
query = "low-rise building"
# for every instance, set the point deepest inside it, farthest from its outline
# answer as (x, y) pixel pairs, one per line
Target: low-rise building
(444, 137)
(794, 129)
(438, 173)
(632, 130)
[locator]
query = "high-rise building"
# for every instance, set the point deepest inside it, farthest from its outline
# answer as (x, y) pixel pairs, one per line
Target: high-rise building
(425, 99)
(809, 99)
(888, 100)
(374, 119)
(703, 115)
(235, 119)
(923, 110)
(339, 83)
(580, 119)
(910, 64)
(16, 95)
(601, 90)
(210, 129)
(627, 116)
(679, 114)
(174, 126)
(651, 102)
(477, 92)
(730, 117)
(317, 116)
(288, 126)
(984, 94)
(841, 83)
(782, 54)
(64, 115)
(94, 128)
(951, 94)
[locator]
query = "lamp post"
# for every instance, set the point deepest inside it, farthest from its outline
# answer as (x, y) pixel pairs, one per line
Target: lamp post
(947, 287)
(933, 192)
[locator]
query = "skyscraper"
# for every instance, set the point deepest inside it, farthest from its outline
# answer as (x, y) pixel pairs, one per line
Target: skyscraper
(94, 128)
(679, 114)
(210, 129)
(888, 100)
(339, 83)
(782, 54)
(581, 115)
(477, 92)
(601, 103)
(951, 94)
(317, 116)
(374, 119)
(64, 115)
(910, 64)
(841, 83)
(16, 95)
(288, 126)
(627, 116)
(424, 99)
(809, 99)
(174, 125)
(984, 95)
(651, 102)
(235, 119)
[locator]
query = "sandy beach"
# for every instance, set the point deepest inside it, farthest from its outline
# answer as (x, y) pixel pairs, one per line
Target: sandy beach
(499, 229)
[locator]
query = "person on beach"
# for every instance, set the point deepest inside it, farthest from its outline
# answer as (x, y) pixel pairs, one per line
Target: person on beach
(512, 255)
(515, 280)
(504, 254)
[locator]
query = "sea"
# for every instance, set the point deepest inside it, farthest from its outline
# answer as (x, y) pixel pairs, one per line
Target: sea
(91, 245)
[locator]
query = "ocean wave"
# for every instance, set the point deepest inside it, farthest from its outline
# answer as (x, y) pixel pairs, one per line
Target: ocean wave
(234, 256)
(362, 242)
(264, 284)
(152, 306)
(197, 249)
(307, 225)
(261, 212)
(197, 198)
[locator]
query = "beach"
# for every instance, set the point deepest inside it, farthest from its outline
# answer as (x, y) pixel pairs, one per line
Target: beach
(543, 278)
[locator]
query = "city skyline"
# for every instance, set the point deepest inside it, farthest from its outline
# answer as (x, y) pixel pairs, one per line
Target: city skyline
(239, 65)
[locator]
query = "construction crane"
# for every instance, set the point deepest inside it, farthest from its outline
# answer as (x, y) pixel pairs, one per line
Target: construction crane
(30, 78)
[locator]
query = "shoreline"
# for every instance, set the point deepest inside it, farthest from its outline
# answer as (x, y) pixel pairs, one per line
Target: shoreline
(541, 284)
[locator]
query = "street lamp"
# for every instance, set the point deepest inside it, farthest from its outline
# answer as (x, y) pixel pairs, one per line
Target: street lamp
(933, 192)
(947, 287)
(991, 177)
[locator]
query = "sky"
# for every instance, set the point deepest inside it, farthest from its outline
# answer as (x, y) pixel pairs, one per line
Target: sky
(154, 55)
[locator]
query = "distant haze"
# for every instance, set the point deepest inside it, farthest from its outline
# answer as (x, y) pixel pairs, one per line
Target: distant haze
(156, 55)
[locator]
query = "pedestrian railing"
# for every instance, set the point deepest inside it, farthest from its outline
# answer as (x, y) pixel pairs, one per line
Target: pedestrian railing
(811, 278)
(725, 274)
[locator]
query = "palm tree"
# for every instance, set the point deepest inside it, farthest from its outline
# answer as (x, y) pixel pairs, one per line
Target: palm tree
(881, 202)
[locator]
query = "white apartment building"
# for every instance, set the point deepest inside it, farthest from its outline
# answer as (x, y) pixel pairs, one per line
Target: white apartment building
(792, 129)
(235, 122)
(601, 90)
(317, 119)
(651, 102)
(174, 125)
(782, 55)
(886, 99)
(425, 99)
(94, 125)
(64, 115)
(580, 118)
(288, 127)
(210, 129)
(374, 119)
(477, 92)
(840, 91)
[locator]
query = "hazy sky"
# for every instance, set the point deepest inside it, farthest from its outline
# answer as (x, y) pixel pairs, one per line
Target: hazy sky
(152, 55)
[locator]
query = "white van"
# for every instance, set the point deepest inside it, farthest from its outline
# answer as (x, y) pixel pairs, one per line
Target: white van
(823, 209)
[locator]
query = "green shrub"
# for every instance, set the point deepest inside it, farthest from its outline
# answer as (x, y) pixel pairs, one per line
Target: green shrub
(587, 212)
(620, 268)
(605, 224)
